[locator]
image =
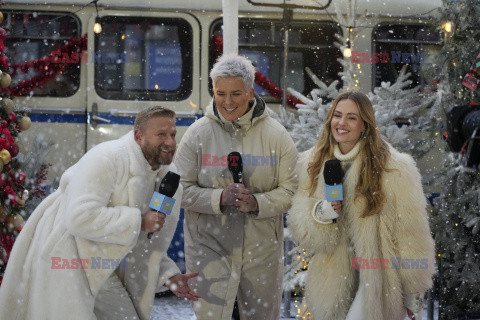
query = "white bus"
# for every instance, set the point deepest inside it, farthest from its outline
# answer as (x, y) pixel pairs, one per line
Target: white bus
(160, 53)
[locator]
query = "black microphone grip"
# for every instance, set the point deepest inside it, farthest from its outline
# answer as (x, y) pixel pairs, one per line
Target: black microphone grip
(235, 166)
(333, 175)
(168, 187)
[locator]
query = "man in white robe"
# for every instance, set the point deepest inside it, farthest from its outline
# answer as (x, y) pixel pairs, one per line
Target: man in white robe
(84, 252)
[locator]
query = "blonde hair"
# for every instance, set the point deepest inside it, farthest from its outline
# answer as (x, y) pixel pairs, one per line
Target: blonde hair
(155, 111)
(375, 149)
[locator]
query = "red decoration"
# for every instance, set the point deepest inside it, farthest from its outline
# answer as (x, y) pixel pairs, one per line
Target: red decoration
(14, 150)
(6, 139)
(12, 117)
(12, 196)
(48, 70)
(20, 177)
(3, 179)
(260, 79)
(4, 62)
(37, 191)
(7, 242)
(3, 36)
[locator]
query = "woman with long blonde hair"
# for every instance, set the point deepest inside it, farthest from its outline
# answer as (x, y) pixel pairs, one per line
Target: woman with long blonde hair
(373, 254)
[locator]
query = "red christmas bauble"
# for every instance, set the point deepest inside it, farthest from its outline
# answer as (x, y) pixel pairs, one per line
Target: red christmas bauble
(14, 149)
(12, 117)
(3, 34)
(4, 61)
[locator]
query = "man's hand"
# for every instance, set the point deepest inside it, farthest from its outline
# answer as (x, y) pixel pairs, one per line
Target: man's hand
(410, 314)
(178, 284)
(152, 221)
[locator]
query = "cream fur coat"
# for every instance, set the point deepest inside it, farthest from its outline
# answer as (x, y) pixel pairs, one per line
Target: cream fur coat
(95, 212)
(400, 230)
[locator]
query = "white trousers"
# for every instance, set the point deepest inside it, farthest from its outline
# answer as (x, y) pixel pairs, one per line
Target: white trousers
(113, 301)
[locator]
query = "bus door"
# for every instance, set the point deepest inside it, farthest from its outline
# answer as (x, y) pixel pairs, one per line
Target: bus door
(141, 59)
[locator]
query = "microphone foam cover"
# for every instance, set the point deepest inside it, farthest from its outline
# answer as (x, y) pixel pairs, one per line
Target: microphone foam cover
(333, 173)
(169, 184)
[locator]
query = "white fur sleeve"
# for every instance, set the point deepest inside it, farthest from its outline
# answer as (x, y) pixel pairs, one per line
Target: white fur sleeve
(311, 235)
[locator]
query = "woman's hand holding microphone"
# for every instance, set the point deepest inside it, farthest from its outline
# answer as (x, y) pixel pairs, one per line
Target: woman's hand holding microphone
(237, 195)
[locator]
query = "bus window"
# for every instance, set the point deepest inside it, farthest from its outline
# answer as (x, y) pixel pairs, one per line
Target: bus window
(311, 44)
(143, 58)
(410, 45)
(34, 35)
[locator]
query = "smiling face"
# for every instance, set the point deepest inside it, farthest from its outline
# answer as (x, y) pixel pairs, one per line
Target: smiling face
(231, 97)
(346, 125)
(157, 140)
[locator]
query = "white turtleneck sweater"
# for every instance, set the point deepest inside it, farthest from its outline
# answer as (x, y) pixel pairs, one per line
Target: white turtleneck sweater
(323, 211)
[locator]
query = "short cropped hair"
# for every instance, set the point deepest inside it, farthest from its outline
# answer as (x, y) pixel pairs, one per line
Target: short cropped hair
(155, 111)
(232, 65)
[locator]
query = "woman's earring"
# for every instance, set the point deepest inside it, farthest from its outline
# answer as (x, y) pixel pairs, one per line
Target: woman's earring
(362, 135)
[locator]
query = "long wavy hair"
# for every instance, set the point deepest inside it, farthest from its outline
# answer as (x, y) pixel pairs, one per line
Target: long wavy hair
(375, 154)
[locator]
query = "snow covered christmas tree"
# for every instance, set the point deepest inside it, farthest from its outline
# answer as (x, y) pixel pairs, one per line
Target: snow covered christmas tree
(20, 178)
(401, 117)
(456, 213)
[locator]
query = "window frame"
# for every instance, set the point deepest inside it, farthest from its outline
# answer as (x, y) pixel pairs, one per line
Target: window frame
(186, 84)
(271, 47)
(419, 43)
(7, 24)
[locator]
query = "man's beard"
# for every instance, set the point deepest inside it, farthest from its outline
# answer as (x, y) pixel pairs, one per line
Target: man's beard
(154, 154)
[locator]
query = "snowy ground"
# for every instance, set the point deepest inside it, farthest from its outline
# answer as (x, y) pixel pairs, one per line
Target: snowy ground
(173, 308)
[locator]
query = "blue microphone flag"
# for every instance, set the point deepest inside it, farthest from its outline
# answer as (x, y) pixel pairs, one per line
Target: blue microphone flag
(162, 203)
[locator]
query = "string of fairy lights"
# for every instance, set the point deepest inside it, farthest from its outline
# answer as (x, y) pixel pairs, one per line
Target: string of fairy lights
(447, 27)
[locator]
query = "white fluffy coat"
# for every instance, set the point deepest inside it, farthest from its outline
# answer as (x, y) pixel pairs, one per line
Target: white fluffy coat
(401, 230)
(96, 212)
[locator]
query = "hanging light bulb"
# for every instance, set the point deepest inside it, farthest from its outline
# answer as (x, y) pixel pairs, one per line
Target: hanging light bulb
(97, 27)
(347, 52)
(447, 26)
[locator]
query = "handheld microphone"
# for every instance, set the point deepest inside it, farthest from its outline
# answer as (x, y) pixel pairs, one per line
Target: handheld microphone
(162, 200)
(333, 176)
(235, 166)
